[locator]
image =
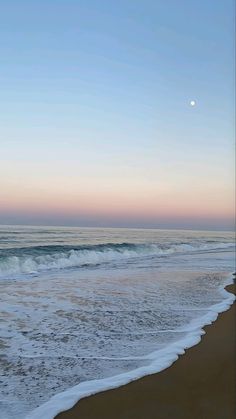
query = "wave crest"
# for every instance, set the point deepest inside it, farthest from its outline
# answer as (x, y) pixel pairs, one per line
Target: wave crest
(47, 258)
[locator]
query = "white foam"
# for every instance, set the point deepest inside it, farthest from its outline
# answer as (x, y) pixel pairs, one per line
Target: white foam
(160, 360)
(28, 264)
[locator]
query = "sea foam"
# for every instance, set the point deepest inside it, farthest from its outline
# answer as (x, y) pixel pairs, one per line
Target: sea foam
(50, 258)
(159, 360)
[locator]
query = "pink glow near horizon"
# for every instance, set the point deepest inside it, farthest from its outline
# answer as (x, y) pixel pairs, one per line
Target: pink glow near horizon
(117, 200)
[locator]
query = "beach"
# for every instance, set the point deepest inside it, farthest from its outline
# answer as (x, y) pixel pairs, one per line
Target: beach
(117, 210)
(201, 384)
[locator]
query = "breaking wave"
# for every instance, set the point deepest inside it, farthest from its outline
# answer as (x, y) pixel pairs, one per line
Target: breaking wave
(46, 258)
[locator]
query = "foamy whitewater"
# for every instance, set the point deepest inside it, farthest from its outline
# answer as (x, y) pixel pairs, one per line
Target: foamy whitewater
(85, 310)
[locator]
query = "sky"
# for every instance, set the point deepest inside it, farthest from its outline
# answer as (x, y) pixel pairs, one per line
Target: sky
(96, 127)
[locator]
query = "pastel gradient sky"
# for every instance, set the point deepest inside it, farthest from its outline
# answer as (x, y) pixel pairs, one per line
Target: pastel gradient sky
(96, 126)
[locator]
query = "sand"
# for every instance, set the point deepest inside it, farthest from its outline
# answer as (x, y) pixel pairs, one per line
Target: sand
(201, 384)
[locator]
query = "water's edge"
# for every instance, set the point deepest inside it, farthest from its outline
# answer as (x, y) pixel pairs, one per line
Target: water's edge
(159, 360)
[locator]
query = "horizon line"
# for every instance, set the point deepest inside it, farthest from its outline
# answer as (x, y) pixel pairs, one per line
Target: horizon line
(118, 228)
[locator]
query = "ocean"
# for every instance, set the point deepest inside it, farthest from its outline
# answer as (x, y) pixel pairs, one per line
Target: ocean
(88, 309)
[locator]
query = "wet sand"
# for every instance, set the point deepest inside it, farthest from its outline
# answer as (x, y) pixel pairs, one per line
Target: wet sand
(201, 384)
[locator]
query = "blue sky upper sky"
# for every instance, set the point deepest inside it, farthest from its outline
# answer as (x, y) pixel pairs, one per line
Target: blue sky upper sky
(96, 127)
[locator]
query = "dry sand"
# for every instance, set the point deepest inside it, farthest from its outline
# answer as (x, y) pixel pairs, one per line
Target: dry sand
(201, 384)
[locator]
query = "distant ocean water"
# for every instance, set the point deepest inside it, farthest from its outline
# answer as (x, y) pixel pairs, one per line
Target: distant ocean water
(84, 310)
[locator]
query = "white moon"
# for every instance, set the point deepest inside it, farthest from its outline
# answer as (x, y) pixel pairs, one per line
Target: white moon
(192, 103)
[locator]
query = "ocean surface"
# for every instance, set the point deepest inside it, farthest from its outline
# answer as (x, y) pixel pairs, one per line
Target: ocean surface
(85, 309)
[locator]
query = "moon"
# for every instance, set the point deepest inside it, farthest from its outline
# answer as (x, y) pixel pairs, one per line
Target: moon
(192, 103)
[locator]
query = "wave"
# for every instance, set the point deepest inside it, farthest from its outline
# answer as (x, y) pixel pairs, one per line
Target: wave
(46, 258)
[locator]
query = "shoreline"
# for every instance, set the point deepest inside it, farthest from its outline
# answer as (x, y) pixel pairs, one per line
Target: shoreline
(208, 390)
